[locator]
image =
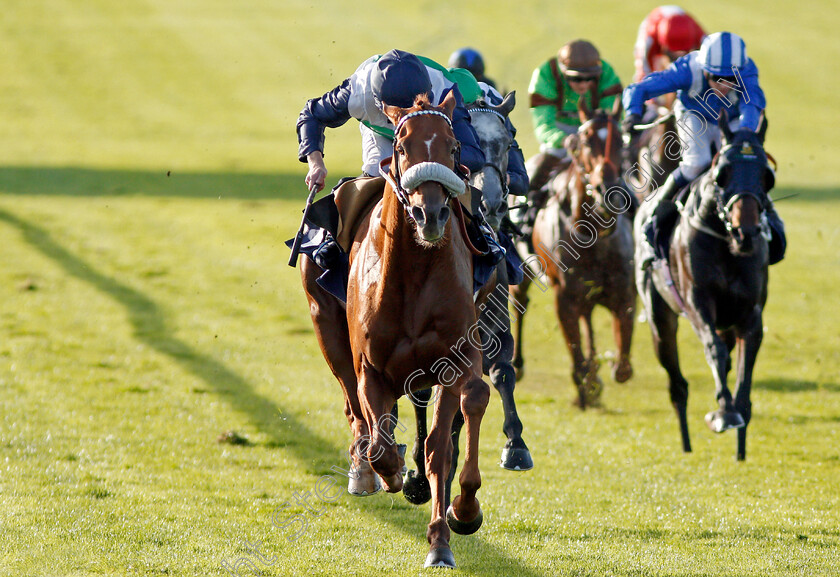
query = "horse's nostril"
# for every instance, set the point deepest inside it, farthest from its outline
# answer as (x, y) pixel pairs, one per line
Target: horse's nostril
(419, 215)
(443, 215)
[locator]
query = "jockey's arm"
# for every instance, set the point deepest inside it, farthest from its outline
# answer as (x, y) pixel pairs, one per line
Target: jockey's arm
(655, 84)
(549, 132)
(517, 175)
(471, 155)
(752, 99)
(330, 110)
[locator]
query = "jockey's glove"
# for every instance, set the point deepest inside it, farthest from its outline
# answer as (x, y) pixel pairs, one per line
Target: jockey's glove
(629, 123)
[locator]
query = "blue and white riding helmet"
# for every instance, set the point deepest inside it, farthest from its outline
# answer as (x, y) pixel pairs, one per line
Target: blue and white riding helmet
(398, 78)
(722, 51)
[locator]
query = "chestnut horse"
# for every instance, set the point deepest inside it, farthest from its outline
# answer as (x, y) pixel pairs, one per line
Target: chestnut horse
(409, 306)
(584, 245)
(717, 277)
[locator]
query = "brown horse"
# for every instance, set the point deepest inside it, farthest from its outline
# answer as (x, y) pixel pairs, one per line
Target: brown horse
(653, 155)
(584, 245)
(717, 277)
(409, 312)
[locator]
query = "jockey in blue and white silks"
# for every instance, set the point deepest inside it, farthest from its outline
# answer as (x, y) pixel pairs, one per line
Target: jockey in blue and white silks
(717, 76)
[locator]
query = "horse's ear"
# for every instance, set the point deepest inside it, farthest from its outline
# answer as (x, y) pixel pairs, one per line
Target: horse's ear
(762, 127)
(583, 110)
(507, 105)
(723, 122)
(617, 107)
(394, 113)
(449, 103)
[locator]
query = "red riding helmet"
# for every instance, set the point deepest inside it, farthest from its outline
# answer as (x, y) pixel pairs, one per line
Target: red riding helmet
(676, 34)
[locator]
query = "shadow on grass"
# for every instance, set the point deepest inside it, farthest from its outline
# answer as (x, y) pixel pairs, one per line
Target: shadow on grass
(87, 182)
(794, 386)
(314, 452)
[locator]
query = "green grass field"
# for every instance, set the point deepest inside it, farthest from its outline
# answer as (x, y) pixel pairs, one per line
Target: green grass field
(148, 179)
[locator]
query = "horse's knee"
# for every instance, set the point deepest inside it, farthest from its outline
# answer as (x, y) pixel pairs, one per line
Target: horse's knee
(475, 397)
(679, 392)
(503, 376)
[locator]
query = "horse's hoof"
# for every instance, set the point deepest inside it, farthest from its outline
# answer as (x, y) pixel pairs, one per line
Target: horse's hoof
(440, 557)
(516, 459)
(416, 488)
(364, 487)
(622, 372)
(459, 526)
(393, 484)
(720, 421)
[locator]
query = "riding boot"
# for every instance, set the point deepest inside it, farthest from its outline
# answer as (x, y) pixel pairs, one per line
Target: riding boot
(778, 240)
(664, 199)
(328, 254)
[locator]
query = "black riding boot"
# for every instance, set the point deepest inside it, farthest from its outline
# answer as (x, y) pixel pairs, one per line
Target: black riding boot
(664, 199)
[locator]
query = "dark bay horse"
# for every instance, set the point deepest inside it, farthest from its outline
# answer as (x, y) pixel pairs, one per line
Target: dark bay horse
(409, 305)
(717, 277)
(584, 245)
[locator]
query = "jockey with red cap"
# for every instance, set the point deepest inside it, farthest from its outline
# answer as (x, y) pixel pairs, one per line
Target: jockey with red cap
(666, 34)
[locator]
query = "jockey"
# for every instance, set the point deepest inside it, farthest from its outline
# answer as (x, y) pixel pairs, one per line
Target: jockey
(718, 76)
(394, 78)
(556, 87)
(664, 35)
(470, 59)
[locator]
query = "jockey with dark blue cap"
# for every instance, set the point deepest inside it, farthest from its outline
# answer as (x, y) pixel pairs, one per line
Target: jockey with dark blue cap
(717, 76)
(394, 78)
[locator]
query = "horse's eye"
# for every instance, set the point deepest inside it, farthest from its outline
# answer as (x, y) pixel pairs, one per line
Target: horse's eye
(400, 149)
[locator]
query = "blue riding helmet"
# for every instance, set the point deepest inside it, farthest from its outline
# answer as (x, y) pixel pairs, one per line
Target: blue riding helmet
(468, 58)
(398, 77)
(720, 51)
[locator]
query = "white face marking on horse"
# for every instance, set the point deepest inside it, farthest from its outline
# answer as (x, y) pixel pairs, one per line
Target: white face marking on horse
(602, 134)
(429, 145)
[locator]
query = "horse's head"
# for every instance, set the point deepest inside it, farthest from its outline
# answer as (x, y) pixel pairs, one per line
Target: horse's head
(490, 125)
(742, 180)
(422, 169)
(597, 153)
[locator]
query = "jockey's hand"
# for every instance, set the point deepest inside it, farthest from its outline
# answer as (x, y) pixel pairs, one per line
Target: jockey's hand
(629, 123)
(317, 174)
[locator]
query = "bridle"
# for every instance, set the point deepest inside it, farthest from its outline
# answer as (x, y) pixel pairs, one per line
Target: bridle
(396, 179)
(724, 205)
(603, 187)
(498, 169)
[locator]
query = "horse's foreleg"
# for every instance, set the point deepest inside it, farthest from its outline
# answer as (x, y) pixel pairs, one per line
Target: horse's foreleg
(497, 365)
(663, 326)
(457, 425)
(464, 515)
(329, 319)
(717, 357)
(438, 462)
(377, 401)
(623, 333)
(416, 488)
(749, 342)
(569, 317)
(519, 294)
